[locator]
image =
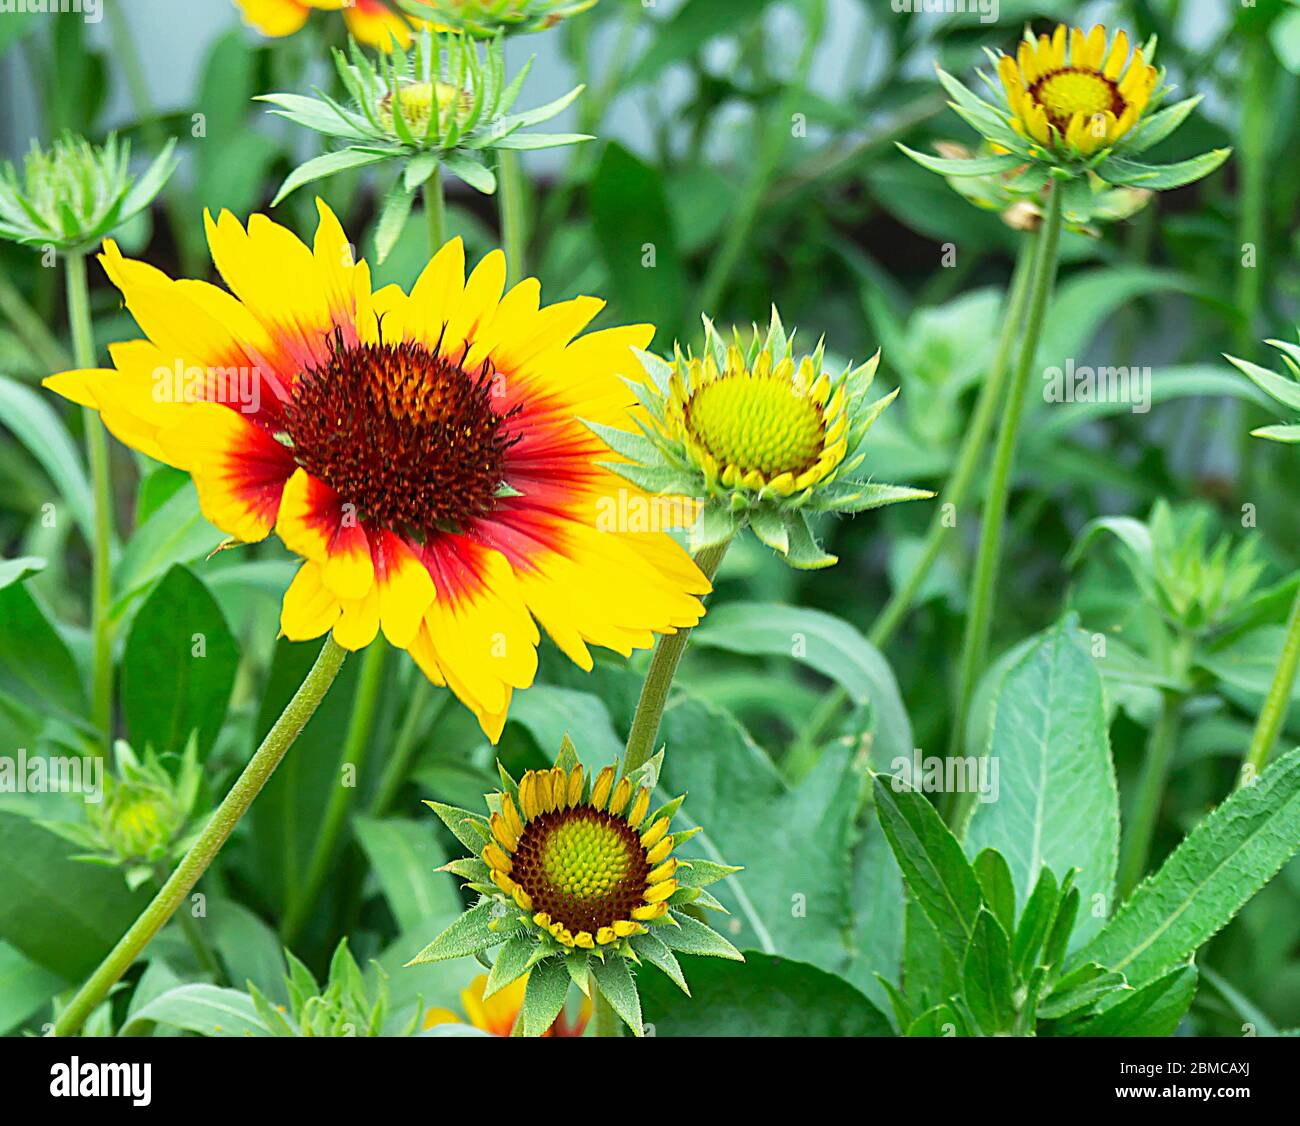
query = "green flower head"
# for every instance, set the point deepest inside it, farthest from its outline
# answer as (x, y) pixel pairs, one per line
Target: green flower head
(758, 436)
(443, 103)
(74, 194)
(579, 881)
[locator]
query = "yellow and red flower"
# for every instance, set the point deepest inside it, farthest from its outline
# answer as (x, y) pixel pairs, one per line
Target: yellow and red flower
(371, 22)
(422, 452)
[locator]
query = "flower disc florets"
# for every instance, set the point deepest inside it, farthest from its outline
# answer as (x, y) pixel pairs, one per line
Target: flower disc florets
(578, 878)
(1075, 109)
(762, 438)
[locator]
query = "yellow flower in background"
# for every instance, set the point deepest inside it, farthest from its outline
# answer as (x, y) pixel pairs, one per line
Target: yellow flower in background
(371, 22)
(1079, 96)
(496, 1015)
(421, 452)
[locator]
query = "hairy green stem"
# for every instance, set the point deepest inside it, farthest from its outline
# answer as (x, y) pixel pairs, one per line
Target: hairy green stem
(83, 349)
(979, 618)
(970, 453)
(1273, 713)
(514, 219)
(659, 678)
(203, 953)
(215, 834)
(356, 746)
(435, 212)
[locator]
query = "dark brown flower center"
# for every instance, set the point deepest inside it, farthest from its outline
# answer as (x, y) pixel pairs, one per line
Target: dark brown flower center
(404, 433)
(584, 867)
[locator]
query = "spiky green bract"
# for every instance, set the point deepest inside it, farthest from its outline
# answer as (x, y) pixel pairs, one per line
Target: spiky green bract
(818, 430)
(344, 1007)
(489, 17)
(145, 817)
(1284, 388)
(74, 194)
(528, 941)
(443, 103)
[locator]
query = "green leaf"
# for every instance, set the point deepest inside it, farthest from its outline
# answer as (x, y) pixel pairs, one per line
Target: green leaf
(1161, 177)
(1161, 124)
(513, 960)
(250, 949)
(205, 1009)
(1285, 391)
(634, 229)
(1152, 1011)
(15, 570)
(693, 937)
(544, 997)
(616, 984)
(392, 217)
(328, 165)
(932, 862)
(178, 669)
(1056, 803)
(976, 166)
(986, 976)
(478, 177)
(31, 419)
(469, 934)
(999, 890)
(1080, 990)
(25, 987)
(1207, 879)
(1035, 923)
(762, 996)
(650, 948)
(404, 856)
(825, 643)
(462, 825)
(35, 664)
(63, 914)
(176, 533)
(285, 820)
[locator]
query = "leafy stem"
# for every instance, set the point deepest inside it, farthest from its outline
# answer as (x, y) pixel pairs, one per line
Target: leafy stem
(209, 842)
(975, 643)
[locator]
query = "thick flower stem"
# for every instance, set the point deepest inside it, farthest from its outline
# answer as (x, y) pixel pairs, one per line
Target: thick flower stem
(1273, 713)
(355, 747)
(435, 211)
(970, 453)
(659, 680)
(514, 220)
(218, 829)
(984, 580)
(83, 349)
